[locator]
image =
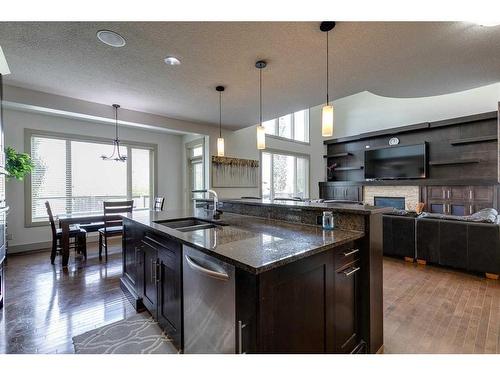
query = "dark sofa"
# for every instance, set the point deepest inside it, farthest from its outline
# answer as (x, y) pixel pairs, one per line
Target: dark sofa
(470, 242)
(473, 246)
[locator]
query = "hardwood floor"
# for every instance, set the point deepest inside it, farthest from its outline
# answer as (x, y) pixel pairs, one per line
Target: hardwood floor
(426, 309)
(431, 309)
(46, 307)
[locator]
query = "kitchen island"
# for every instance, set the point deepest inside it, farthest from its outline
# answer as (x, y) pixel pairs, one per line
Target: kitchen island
(250, 284)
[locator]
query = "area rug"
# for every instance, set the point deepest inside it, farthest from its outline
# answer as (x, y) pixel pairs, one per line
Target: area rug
(138, 334)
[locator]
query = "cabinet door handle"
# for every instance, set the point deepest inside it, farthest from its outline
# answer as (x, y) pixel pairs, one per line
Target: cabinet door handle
(351, 271)
(240, 337)
(353, 251)
(470, 194)
(157, 271)
(153, 271)
(444, 194)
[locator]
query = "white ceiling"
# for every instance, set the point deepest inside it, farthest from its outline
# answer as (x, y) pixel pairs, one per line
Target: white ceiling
(396, 59)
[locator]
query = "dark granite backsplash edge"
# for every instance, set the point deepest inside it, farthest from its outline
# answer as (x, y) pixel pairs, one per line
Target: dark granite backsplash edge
(347, 221)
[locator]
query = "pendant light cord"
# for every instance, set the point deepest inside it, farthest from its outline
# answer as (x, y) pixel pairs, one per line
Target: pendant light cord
(116, 123)
(327, 98)
(220, 114)
(260, 95)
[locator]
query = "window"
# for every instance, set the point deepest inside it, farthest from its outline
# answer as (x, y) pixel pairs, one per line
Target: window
(284, 175)
(293, 126)
(70, 174)
(196, 170)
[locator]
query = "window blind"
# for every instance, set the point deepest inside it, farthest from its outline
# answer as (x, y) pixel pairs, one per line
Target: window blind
(71, 175)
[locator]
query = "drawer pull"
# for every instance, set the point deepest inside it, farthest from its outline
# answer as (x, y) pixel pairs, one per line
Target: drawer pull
(351, 271)
(353, 251)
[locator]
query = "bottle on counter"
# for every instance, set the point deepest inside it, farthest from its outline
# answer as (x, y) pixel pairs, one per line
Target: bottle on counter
(328, 220)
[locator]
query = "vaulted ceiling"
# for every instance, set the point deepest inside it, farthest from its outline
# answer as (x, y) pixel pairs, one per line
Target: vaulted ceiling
(396, 59)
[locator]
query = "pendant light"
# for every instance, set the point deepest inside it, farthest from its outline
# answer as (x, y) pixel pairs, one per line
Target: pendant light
(116, 156)
(261, 131)
(327, 111)
(220, 140)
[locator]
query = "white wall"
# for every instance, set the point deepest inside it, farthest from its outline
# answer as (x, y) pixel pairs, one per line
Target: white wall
(365, 112)
(170, 151)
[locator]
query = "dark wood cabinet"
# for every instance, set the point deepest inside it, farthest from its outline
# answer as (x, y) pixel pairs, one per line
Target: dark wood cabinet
(295, 303)
(169, 290)
(156, 276)
(346, 313)
(312, 306)
(459, 200)
(130, 242)
(148, 261)
(342, 192)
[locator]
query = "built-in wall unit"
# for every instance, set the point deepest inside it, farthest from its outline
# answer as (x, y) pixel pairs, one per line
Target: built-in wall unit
(450, 165)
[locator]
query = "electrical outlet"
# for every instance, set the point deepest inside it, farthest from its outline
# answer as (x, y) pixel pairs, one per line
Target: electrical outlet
(9, 237)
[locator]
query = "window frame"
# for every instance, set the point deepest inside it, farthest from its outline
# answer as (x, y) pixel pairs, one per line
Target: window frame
(190, 160)
(29, 133)
(292, 121)
(286, 153)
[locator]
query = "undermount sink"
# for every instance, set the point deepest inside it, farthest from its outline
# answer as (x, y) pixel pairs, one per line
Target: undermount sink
(189, 224)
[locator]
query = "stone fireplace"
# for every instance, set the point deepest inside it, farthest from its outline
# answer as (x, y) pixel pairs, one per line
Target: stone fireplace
(410, 195)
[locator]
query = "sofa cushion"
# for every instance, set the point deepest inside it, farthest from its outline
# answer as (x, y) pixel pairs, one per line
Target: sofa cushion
(486, 215)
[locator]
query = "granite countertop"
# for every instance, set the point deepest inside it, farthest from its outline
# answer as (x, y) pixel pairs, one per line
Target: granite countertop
(253, 244)
(335, 207)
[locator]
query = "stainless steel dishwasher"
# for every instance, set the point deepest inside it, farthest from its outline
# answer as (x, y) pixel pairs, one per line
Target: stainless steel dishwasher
(209, 304)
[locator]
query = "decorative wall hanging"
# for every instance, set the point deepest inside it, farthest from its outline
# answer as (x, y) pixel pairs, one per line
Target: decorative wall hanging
(234, 172)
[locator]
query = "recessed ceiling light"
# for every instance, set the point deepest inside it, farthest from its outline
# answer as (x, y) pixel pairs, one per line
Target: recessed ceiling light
(172, 60)
(111, 38)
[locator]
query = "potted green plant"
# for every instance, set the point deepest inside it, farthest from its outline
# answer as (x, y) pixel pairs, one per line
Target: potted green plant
(18, 164)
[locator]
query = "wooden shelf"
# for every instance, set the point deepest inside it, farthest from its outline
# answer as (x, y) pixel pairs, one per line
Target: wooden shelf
(452, 162)
(339, 155)
(486, 138)
(347, 169)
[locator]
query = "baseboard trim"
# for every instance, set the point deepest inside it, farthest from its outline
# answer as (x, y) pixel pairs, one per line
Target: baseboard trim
(37, 246)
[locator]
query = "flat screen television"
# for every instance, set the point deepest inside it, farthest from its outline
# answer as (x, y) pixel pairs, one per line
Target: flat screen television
(397, 162)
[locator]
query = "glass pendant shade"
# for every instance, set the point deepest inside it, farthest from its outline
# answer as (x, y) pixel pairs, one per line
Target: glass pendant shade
(327, 121)
(220, 146)
(261, 137)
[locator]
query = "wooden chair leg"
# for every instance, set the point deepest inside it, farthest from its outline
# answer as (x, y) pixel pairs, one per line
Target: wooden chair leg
(54, 251)
(83, 244)
(100, 246)
(106, 247)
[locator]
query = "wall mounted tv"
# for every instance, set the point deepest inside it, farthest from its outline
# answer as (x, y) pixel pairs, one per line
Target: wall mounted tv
(398, 162)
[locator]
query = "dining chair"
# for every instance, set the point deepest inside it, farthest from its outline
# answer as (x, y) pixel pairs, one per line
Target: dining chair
(76, 233)
(159, 201)
(113, 226)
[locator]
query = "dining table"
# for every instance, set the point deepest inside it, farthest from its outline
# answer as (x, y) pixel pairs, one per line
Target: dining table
(66, 220)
